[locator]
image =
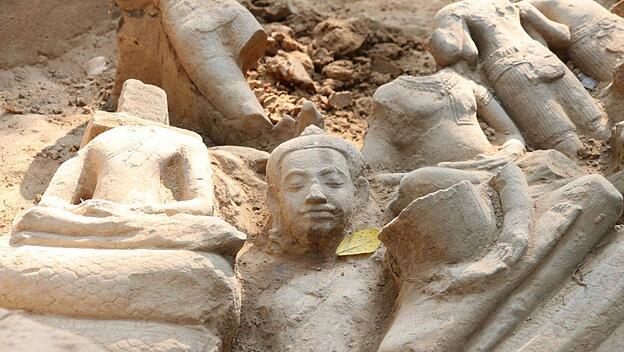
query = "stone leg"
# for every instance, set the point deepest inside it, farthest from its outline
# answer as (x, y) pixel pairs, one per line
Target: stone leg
(593, 308)
(591, 55)
(589, 117)
(121, 229)
(537, 111)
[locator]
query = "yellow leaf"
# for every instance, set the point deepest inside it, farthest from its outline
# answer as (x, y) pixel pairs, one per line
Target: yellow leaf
(360, 242)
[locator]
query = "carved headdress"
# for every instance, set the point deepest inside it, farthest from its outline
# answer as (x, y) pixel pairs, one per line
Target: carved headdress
(314, 137)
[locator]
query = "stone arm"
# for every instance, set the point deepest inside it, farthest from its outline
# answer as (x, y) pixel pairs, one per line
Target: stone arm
(518, 213)
(216, 41)
(490, 111)
(555, 34)
(72, 182)
(450, 41)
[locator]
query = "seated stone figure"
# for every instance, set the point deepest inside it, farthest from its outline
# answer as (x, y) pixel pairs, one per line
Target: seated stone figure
(596, 35)
(198, 52)
(299, 296)
(543, 97)
(124, 247)
(423, 121)
(473, 262)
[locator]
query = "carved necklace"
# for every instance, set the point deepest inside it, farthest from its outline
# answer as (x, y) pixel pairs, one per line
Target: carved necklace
(442, 84)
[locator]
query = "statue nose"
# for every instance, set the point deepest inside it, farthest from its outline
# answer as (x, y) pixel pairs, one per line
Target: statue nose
(316, 195)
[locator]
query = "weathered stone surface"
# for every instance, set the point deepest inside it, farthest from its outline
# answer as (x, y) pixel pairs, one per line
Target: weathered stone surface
(341, 70)
(292, 68)
(337, 36)
(340, 100)
(317, 194)
(143, 100)
(19, 334)
(596, 43)
(198, 52)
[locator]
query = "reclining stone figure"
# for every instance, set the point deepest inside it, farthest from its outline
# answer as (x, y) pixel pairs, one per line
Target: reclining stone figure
(198, 52)
(439, 142)
(299, 296)
(124, 247)
(474, 262)
(596, 35)
(543, 97)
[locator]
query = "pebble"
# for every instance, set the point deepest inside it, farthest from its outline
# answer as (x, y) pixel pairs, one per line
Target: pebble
(340, 100)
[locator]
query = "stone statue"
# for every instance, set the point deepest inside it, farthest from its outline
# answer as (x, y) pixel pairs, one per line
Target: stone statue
(124, 247)
(473, 262)
(299, 296)
(439, 142)
(541, 94)
(423, 121)
(198, 52)
(596, 35)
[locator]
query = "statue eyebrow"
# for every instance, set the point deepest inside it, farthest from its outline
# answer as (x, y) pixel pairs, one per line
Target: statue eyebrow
(329, 170)
(294, 173)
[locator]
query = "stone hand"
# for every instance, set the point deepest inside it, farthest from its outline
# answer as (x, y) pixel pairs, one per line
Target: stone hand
(494, 262)
(99, 208)
(509, 152)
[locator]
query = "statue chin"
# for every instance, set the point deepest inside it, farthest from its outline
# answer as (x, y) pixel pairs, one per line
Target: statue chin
(317, 233)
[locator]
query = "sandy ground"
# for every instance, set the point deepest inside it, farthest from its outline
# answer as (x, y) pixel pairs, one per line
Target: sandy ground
(46, 104)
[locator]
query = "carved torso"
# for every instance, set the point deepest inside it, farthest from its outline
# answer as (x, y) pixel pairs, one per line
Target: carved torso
(492, 24)
(412, 115)
(125, 159)
(337, 305)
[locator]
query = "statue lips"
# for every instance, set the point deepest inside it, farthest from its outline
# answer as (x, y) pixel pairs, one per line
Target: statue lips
(323, 212)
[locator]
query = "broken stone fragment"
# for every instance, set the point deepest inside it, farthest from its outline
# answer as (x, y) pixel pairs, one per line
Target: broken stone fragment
(143, 100)
(96, 65)
(383, 65)
(292, 68)
(322, 57)
(387, 50)
(269, 10)
(271, 47)
(277, 27)
(337, 36)
(341, 70)
(340, 100)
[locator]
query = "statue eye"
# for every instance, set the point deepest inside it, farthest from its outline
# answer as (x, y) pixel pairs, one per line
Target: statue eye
(293, 187)
(334, 183)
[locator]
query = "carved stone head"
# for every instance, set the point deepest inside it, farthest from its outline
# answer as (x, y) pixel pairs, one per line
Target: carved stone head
(315, 184)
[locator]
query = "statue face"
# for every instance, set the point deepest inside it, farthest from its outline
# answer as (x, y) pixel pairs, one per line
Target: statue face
(316, 195)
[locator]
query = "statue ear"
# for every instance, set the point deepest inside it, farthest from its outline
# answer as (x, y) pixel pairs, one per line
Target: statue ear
(273, 205)
(362, 190)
